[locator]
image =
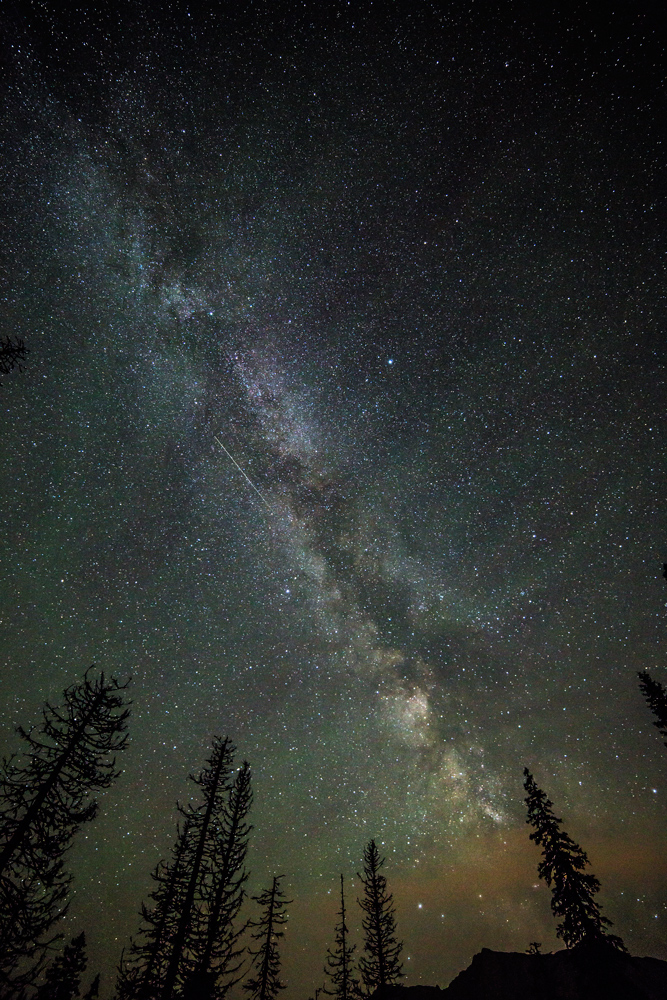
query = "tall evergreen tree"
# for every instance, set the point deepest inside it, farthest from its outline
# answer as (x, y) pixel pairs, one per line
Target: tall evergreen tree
(206, 820)
(141, 973)
(93, 991)
(340, 961)
(656, 696)
(381, 965)
(188, 941)
(265, 984)
(46, 793)
(217, 934)
(12, 354)
(63, 976)
(573, 890)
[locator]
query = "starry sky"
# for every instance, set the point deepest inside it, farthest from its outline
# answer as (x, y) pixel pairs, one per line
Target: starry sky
(405, 266)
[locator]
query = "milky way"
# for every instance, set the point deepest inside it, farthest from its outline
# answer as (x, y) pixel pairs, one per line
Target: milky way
(407, 272)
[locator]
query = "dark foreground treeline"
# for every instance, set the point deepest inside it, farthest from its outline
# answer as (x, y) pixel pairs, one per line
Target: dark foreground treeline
(189, 944)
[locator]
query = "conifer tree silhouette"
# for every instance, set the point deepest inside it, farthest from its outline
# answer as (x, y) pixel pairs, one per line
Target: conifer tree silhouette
(265, 984)
(188, 939)
(562, 868)
(46, 793)
(656, 696)
(63, 976)
(205, 822)
(340, 961)
(383, 966)
(93, 991)
(216, 938)
(141, 972)
(12, 353)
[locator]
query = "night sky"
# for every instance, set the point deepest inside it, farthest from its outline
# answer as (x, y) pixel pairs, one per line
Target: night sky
(407, 266)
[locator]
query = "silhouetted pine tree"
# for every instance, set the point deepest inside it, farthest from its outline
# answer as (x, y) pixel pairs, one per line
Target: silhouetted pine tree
(656, 696)
(573, 890)
(188, 939)
(63, 976)
(383, 965)
(141, 973)
(45, 796)
(216, 934)
(265, 984)
(12, 353)
(205, 823)
(93, 991)
(340, 961)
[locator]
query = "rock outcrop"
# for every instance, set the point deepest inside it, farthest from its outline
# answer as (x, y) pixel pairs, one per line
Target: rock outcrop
(592, 972)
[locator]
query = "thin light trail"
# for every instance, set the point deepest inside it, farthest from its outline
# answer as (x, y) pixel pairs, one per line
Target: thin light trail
(247, 478)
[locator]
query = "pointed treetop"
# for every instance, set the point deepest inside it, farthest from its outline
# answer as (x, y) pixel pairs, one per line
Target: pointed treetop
(656, 696)
(563, 869)
(381, 964)
(340, 960)
(265, 984)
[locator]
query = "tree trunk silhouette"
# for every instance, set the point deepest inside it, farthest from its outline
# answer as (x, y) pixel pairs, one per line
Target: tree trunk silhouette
(562, 868)
(383, 965)
(187, 943)
(63, 976)
(44, 791)
(221, 758)
(43, 802)
(266, 984)
(339, 967)
(229, 878)
(140, 977)
(656, 696)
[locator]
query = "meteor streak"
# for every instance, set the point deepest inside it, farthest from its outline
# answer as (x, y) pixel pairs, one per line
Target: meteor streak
(247, 478)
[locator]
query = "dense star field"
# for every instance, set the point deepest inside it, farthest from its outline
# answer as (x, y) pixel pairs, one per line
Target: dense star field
(406, 270)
